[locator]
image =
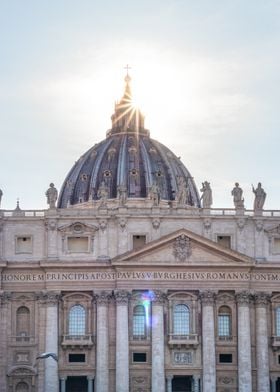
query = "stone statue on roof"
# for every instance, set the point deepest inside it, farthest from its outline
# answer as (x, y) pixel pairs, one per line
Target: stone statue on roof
(51, 194)
(1, 194)
(260, 196)
(237, 193)
(206, 196)
(154, 194)
(103, 193)
(122, 194)
(182, 193)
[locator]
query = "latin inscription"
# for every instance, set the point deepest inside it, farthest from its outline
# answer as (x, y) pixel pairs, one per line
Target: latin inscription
(139, 275)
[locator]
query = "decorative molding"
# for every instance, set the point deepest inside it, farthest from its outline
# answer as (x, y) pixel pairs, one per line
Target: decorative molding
(156, 223)
(78, 228)
(207, 297)
(262, 299)
(51, 224)
(48, 298)
(241, 222)
(122, 297)
(158, 297)
(243, 298)
(5, 297)
(102, 298)
(103, 223)
(182, 357)
(207, 223)
(182, 247)
(122, 223)
(259, 224)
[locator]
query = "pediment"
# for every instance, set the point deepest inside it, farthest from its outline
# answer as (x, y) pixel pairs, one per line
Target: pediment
(273, 231)
(182, 248)
(78, 228)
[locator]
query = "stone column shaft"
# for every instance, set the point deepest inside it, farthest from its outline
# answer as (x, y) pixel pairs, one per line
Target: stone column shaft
(158, 378)
(273, 384)
(63, 384)
(51, 366)
(102, 344)
(262, 343)
(244, 343)
(208, 342)
(122, 347)
(90, 384)
(169, 383)
(195, 383)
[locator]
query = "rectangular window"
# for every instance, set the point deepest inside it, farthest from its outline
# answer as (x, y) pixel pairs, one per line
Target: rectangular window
(224, 240)
(23, 244)
(77, 358)
(224, 325)
(276, 245)
(77, 244)
(225, 358)
(139, 357)
(138, 241)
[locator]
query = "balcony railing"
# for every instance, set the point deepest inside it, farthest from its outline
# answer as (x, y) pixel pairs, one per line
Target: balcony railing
(183, 340)
(22, 340)
(77, 340)
(275, 342)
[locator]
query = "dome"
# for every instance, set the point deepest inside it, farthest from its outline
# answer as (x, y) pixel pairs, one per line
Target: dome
(130, 160)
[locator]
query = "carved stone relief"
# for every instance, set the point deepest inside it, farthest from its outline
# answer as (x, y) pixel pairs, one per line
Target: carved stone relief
(182, 357)
(182, 247)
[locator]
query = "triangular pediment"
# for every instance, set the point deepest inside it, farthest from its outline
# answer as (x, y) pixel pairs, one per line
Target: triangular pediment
(183, 247)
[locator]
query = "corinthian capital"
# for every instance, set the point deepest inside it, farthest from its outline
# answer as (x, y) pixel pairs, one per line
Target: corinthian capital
(122, 297)
(243, 298)
(261, 299)
(51, 297)
(103, 297)
(158, 297)
(207, 297)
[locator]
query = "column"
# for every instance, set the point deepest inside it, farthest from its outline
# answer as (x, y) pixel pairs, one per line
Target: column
(273, 383)
(208, 342)
(195, 383)
(158, 378)
(102, 342)
(261, 301)
(51, 342)
(90, 383)
(244, 343)
(122, 347)
(5, 329)
(63, 384)
(169, 383)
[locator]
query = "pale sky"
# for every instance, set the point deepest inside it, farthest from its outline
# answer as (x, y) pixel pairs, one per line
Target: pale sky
(206, 74)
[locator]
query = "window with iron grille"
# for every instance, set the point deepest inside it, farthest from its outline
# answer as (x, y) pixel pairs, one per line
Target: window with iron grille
(224, 321)
(77, 320)
(139, 321)
(181, 320)
(278, 321)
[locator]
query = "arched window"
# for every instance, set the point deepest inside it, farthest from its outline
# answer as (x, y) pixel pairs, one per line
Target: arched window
(139, 321)
(181, 320)
(277, 319)
(224, 322)
(23, 321)
(77, 320)
(22, 387)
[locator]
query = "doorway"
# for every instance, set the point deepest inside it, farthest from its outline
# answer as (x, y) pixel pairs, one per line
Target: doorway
(278, 385)
(76, 384)
(182, 384)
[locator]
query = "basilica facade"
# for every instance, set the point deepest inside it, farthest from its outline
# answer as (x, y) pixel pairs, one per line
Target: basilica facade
(131, 282)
